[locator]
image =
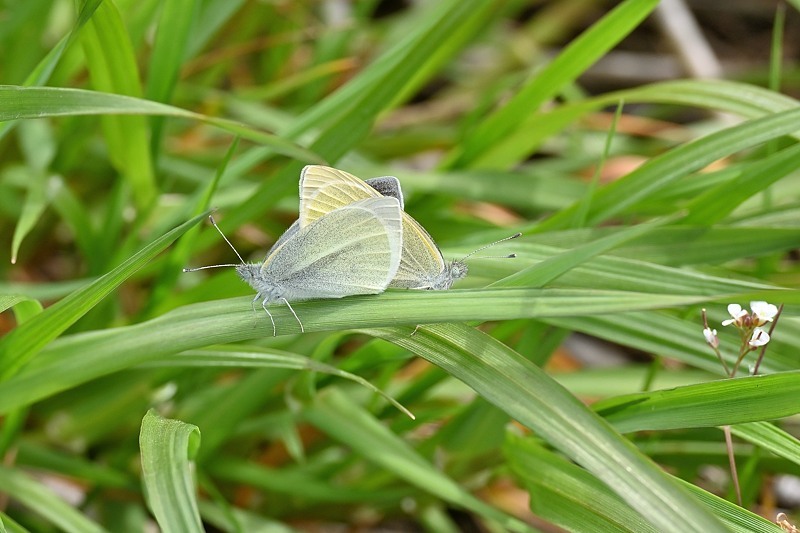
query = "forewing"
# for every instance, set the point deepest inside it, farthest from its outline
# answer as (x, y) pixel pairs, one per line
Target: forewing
(324, 189)
(352, 250)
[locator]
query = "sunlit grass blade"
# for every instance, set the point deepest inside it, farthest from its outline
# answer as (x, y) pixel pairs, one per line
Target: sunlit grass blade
(168, 447)
(716, 403)
(334, 413)
(22, 344)
(24, 489)
(527, 394)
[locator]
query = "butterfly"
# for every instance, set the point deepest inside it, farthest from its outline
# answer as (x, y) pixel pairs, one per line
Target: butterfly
(352, 249)
(422, 265)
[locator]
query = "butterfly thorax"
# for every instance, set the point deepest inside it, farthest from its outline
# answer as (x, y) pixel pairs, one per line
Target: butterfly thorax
(253, 275)
(453, 271)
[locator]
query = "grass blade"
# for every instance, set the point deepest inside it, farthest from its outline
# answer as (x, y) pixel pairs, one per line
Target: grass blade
(167, 448)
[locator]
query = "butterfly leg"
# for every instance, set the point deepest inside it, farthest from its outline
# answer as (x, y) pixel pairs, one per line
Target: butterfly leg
(264, 306)
(255, 314)
(302, 330)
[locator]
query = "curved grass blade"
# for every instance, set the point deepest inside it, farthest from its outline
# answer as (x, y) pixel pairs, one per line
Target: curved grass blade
(526, 393)
(22, 344)
(167, 448)
(228, 356)
(18, 102)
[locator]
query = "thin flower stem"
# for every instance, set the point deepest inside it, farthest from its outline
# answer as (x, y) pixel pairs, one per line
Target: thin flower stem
(732, 463)
(764, 348)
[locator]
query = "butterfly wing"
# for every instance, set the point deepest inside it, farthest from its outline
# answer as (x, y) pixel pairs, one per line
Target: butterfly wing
(351, 250)
(323, 189)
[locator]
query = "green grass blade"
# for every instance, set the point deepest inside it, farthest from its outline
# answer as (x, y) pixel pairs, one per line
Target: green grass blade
(579, 55)
(169, 51)
(83, 357)
(771, 438)
(717, 403)
(526, 393)
(335, 414)
(41, 74)
(548, 270)
(718, 202)
(32, 209)
(566, 495)
(231, 356)
(36, 102)
(742, 99)
(661, 171)
(39, 498)
(112, 64)
(22, 344)
(167, 448)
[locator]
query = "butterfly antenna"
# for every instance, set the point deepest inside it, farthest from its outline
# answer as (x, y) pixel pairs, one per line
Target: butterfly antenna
(302, 330)
(213, 223)
(492, 244)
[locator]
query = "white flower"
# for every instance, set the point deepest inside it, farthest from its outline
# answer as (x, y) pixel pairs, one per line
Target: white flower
(736, 311)
(759, 338)
(763, 312)
(711, 337)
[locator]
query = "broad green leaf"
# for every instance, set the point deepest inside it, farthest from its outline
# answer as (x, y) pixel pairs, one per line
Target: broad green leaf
(168, 447)
(531, 397)
(22, 344)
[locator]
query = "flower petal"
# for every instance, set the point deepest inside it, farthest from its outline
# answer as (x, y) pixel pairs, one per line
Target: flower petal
(759, 338)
